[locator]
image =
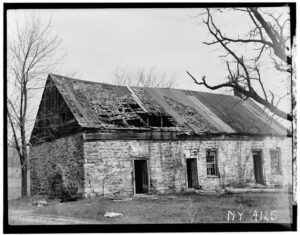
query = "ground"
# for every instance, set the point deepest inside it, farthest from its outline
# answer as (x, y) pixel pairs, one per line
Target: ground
(183, 208)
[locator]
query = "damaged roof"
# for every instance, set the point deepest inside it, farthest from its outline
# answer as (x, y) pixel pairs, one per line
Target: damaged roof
(104, 106)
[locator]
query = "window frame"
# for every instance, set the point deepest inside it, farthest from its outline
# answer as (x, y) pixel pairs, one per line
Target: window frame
(214, 163)
(278, 169)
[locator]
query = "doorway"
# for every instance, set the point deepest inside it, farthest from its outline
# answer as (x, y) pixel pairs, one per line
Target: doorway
(141, 176)
(56, 186)
(258, 166)
(192, 173)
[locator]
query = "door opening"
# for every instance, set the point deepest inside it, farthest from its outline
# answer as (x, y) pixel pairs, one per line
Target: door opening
(258, 167)
(141, 176)
(192, 173)
(56, 186)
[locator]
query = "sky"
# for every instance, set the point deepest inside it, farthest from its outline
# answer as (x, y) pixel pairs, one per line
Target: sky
(95, 41)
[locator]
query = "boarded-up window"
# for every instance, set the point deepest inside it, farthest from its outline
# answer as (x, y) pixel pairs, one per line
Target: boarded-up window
(211, 163)
(275, 161)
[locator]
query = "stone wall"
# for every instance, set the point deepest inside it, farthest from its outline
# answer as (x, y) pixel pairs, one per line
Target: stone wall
(62, 157)
(106, 168)
(108, 165)
(235, 162)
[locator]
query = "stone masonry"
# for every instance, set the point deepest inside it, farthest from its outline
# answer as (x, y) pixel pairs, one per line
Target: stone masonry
(108, 165)
(105, 168)
(63, 157)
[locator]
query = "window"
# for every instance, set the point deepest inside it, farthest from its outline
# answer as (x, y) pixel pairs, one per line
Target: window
(211, 163)
(275, 161)
(65, 115)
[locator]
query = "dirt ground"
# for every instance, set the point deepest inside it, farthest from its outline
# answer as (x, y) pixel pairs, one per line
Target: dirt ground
(183, 208)
(22, 217)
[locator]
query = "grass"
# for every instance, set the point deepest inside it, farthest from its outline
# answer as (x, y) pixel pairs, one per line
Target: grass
(183, 208)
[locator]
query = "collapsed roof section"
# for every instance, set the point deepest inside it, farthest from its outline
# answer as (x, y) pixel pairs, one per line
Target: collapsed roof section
(104, 106)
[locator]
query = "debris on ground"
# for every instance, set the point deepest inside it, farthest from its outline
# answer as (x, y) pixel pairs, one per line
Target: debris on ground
(254, 190)
(122, 199)
(145, 196)
(222, 191)
(255, 185)
(189, 190)
(112, 214)
(270, 185)
(40, 203)
(211, 192)
(200, 191)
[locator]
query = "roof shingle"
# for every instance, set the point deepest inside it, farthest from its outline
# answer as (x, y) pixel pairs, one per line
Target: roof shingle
(101, 105)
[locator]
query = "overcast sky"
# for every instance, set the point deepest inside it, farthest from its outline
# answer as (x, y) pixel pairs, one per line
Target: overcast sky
(96, 41)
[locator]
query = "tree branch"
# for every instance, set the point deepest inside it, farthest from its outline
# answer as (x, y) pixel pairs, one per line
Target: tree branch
(251, 94)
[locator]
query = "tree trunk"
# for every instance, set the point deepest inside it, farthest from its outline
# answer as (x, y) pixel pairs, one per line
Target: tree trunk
(24, 156)
(24, 180)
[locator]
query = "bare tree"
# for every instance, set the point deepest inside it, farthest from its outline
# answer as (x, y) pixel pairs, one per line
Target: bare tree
(31, 50)
(142, 77)
(268, 36)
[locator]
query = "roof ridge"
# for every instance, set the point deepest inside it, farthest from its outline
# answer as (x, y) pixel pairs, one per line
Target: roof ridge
(104, 83)
(80, 80)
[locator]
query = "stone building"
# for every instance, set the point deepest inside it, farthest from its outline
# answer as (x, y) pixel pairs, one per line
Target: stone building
(96, 139)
